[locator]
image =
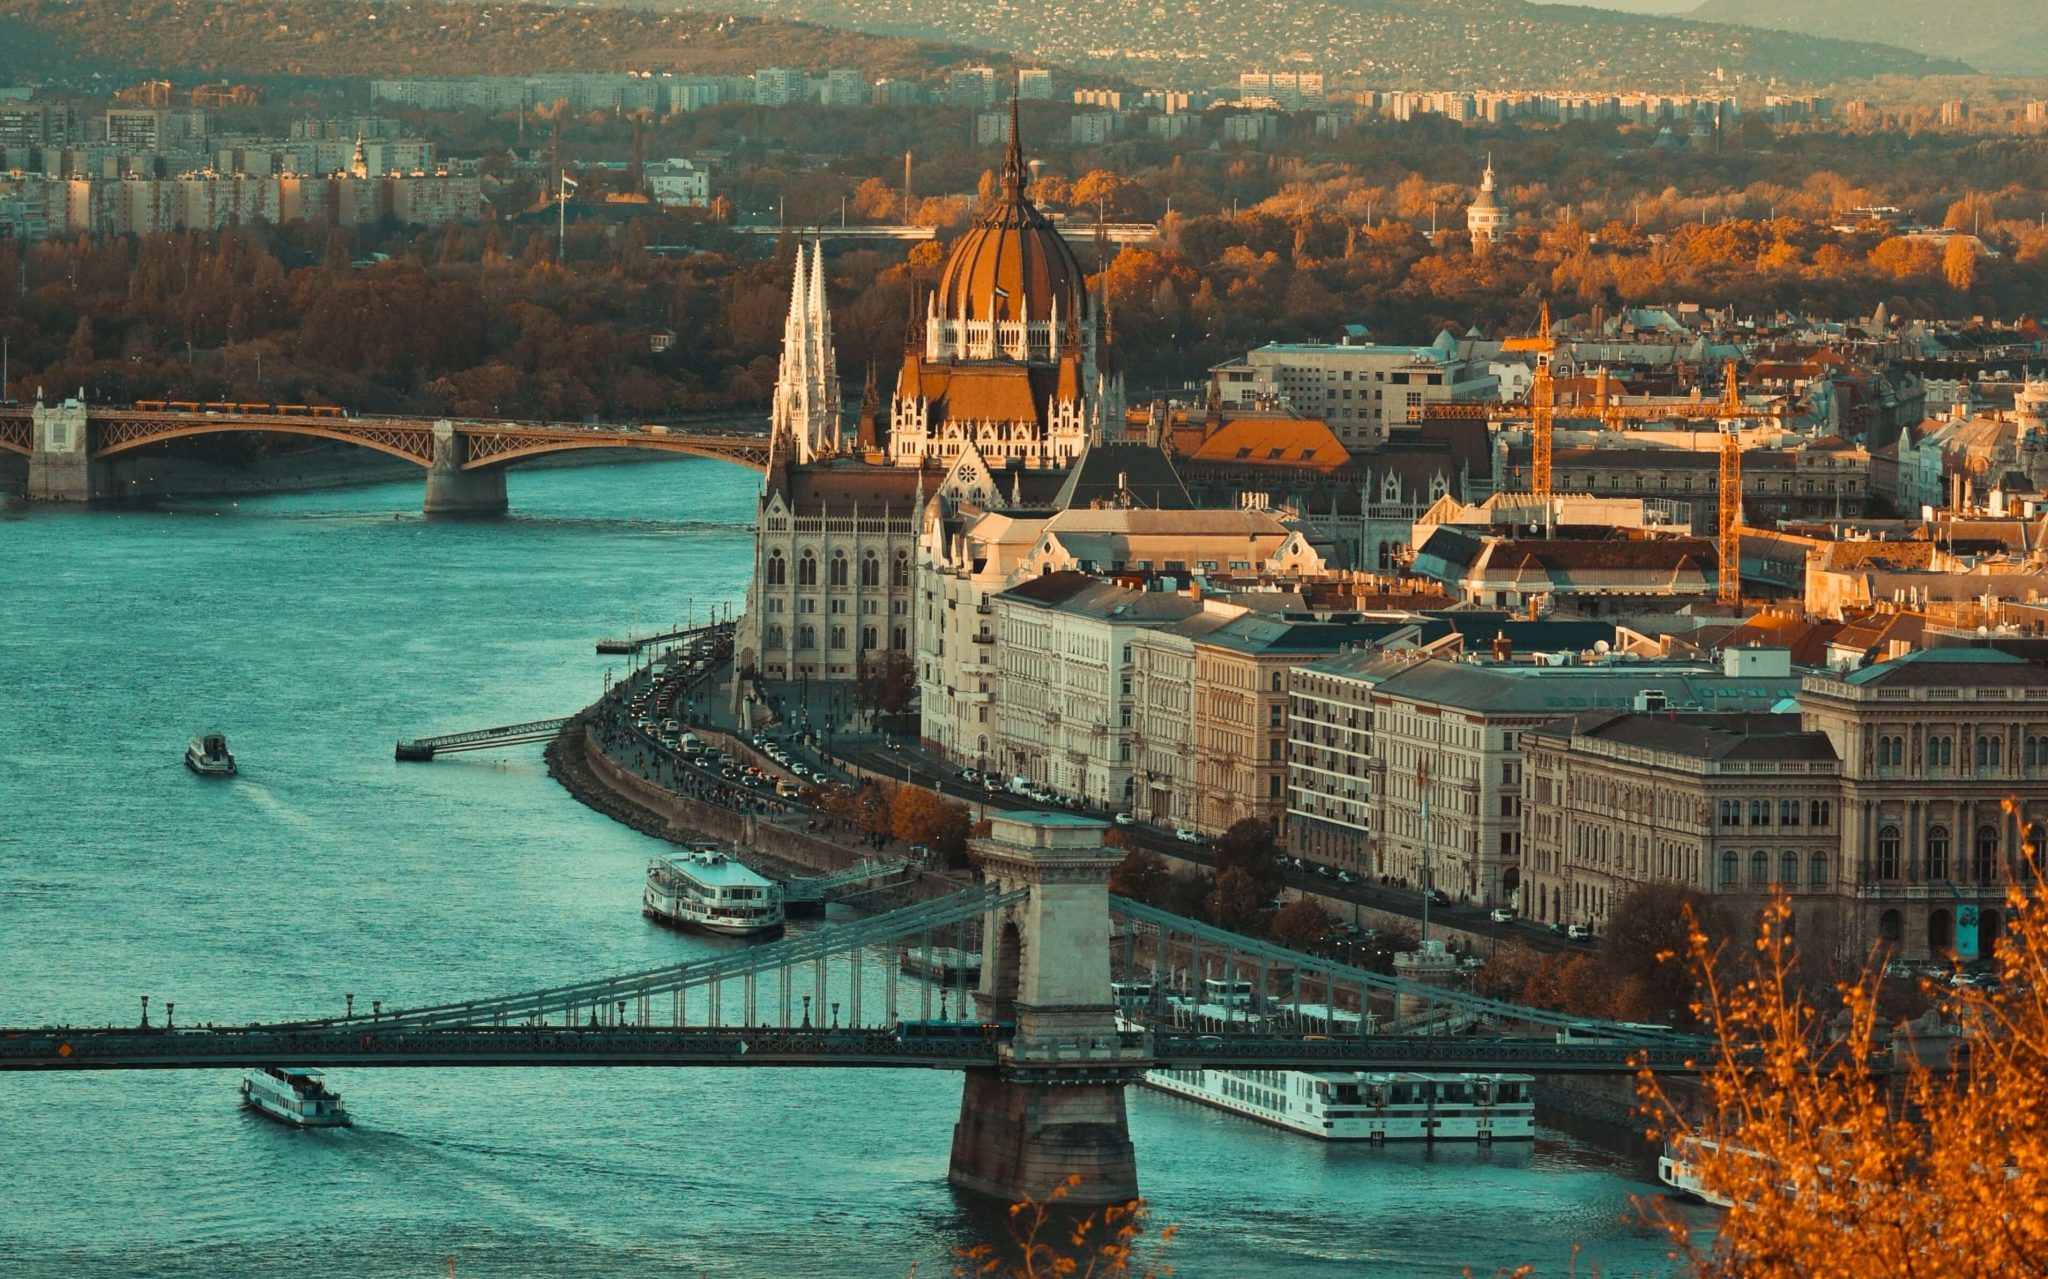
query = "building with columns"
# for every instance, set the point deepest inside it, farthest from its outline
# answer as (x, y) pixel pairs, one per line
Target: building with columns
(1944, 792)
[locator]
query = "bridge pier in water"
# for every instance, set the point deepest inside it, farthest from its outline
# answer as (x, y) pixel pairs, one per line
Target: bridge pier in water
(454, 491)
(60, 465)
(1054, 1105)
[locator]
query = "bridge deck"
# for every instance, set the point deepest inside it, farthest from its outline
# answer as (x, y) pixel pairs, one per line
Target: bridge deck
(539, 730)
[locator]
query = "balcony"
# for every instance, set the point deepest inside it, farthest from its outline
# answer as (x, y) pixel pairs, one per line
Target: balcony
(982, 639)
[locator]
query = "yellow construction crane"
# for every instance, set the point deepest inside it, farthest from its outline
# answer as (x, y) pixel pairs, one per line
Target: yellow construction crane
(1542, 402)
(1730, 572)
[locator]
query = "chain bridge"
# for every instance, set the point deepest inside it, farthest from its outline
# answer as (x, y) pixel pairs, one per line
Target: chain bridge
(68, 444)
(1073, 1004)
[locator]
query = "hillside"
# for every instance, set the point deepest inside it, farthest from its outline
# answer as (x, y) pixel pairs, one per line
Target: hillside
(337, 38)
(1997, 37)
(1404, 43)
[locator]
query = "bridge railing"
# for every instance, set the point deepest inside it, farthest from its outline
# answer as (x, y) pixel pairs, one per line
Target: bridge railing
(598, 998)
(1238, 952)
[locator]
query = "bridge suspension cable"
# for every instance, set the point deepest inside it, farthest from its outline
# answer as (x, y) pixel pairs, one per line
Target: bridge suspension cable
(781, 958)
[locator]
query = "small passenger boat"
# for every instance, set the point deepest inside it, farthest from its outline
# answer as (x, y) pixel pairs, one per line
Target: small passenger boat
(297, 1098)
(208, 756)
(712, 893)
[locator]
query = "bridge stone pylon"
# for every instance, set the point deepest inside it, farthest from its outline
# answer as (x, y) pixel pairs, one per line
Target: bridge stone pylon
(451, 490)
(1054, 1105)
(60, 466)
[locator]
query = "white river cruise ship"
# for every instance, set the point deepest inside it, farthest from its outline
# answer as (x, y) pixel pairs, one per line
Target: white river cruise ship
(1366, 1106)
(711, 892)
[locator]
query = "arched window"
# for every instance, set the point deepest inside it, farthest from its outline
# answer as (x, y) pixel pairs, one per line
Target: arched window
(806, 637)
(1984, 863)
(774, 636)
(839, 637)
(870, 570)
(1937, 852)
(1386, 556)
(1788, 868)
(1888, 853)
(1817, 871)
(807, 570)
(1884, 752)
(778, 569)
(867, 638)
(839, 568)
(1759, 867)
(1990, 752)
(900, 573)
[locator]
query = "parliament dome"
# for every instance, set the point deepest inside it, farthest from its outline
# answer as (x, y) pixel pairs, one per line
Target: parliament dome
(1013, 264)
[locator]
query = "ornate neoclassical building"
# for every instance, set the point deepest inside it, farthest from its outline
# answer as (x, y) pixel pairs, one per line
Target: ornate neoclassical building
(1007, 356)
(1003, 378)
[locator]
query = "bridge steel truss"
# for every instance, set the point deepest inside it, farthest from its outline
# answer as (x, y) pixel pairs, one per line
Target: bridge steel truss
(492, 445)
(680, 1015)
(1234, 955)
(114, 433)
(17, 432)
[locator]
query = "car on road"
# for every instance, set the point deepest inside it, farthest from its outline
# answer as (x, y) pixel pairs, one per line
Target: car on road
(1501, 915)
(1578, 932)
(1125, 819)
(1186, 836)
(1557, 927)
(969, 775)
(1438, 897)
(1344, 877)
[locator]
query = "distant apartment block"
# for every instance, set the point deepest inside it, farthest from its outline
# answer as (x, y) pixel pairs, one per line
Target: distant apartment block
(1287, 90)
(1108, 99)
(1363, 391)
(843, 87)
(1034, 84)
(200, 201)
(780, 86)
(972, 87)
(1092, 128)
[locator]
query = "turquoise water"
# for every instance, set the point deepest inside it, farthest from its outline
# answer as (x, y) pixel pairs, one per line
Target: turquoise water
(317, 629)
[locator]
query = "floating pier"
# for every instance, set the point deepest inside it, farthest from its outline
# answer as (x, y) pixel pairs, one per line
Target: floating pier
(422, 749)
(945, 965)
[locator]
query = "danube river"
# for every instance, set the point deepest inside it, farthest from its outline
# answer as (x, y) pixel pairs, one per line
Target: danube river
(317, 629)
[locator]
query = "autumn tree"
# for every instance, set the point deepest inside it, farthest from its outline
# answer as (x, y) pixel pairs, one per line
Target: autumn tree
(1302, 924)
(1239, 901)
(1848, 1147)
(920, 816)
(1143, 877)
(1959, 263)
(1248, 846)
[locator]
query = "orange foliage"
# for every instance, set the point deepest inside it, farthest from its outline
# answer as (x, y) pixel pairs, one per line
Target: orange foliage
(1849, 1150)
(1045, 1241)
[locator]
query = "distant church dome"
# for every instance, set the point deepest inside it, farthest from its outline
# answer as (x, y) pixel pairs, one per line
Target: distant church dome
(1013, 264)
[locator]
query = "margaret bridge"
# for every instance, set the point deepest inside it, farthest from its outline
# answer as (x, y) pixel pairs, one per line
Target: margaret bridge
(1047, 1040)
(69, 444)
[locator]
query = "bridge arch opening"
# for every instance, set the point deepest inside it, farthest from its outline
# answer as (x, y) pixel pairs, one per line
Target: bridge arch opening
(1004, 978)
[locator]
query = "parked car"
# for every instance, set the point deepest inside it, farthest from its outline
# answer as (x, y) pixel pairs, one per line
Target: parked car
(1186, 836)
(1557, 927)
(1502, 915)
(1578, 932)
(1438, 897)
(1125, 819)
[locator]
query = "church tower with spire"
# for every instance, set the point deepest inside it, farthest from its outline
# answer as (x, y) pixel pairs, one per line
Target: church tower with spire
(804, 423)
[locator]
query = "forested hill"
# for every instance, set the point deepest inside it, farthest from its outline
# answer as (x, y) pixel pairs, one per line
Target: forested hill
(1394, 43)
(339, 38)
(1998, 37)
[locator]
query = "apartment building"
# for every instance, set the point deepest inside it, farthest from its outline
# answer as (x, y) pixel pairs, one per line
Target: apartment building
(1728, 804)
(1362, 391)
(1408, 766)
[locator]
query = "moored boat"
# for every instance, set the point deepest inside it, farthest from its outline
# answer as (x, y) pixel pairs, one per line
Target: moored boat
(298, 1098)
(1371, 1106)
(208, 756)
(711, 892)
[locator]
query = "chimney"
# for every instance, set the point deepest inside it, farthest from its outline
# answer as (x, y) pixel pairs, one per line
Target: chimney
(1503, 647)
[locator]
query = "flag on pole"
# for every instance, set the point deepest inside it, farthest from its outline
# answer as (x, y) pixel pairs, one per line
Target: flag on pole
(568, 183)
